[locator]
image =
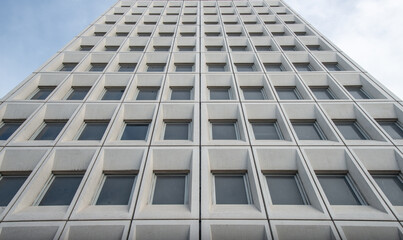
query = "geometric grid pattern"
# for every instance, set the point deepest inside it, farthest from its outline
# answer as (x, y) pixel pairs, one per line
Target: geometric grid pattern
(220, 119)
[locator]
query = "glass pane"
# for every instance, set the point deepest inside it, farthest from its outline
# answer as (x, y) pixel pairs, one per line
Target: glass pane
(93, 131)
(111, 48)
(238, 48)
(287, 93)
(176, 131)
(50, 131)
(245, 67)
(303, 67)
(214, 48)
(180, 94)
(135, 131)
(113, 94)
(186, 48)
(127, 67)
(253, 94)
(219, 94)
(357, 92)
(307, 131)
(351, 130)
(222, 131)
(216, 67)
(156, 68)
(322, 93)
(147, 94)
(169, 189)
(265, 131)
(97, 67)
(230, 189)
(263, 48)
(43, 93)
(184, 67)
(284, 190)
(274, 67)
(86, 47)
(9, 186)
(313, 47)
(78, 93)
(338, 190)
(332, 66)
(289, 48)
(393, 128)
(67, 67)
(136, 48)
(161, 48)
(8, 128)
(61, 190)
(116, 190)
(392, 187)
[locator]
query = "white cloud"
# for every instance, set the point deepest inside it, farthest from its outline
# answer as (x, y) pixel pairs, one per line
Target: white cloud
(369, 31)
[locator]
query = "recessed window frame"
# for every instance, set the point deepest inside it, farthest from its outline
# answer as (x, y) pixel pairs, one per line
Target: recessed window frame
(257, 88)
(184, 67)
(64, 65)
(73, 88)
(316, 126)
(178, 121)
(335, 66)
(216, 65)
(356, 124)
(360, 89)
(15, 174)
(170, 173)
(309, 67)
(84, 124)
(38, 89)
(225, 121)
(105, 174)
(95, 67)
(395, 121)
(127, 67)
(188, 88)
(126, 122)
(155, 88)
(150, 67)
(230, 173)
(326, 88)
(291, 88)
(267, 121)
(387, 174)
(228, 88)
(105, 90)
(44, 124)
(280, 66)
(251, 65)
(15, 121)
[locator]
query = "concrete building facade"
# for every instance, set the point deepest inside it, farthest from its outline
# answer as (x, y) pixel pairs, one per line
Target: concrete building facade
(201, 120)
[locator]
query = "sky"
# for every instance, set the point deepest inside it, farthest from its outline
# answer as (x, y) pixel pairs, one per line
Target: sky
(369, 31)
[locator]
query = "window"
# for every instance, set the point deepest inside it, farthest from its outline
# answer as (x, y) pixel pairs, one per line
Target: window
(155, 67)
(135, 131)
(9, 186)
(166, 34)
(253, 93)
(276, 34)
(99, 34)
(238, 48)
(333, 66)
(97, 67)
(186, 48)
(116, 189)
(266, 130)
(184, 67)
(111, 48)
(289, 48)
(60, 190)
(113, 93)
(254, 34)
(357, 92)
(224, 130)
(392, 127)
(176, 130)
(93, 130)
(274, 67)
(144, 34)
(286, 189)
(149, 93)
(8, 127)
(130, 23)
(303, 67)
(162, 48)
(263, 48)
(127, 67)
(188, 34)
(308, 130)
(216, 67)
(232, 189)
(340, 189)
(322, 93)
(136, 48)
(42, 92)
(170, 189)
(300, 33)
(214, 48)
(212, 34)
(219, 93)
(122, 34)
(392, 187)
(49, 130)
(314, 47)
(181, 93)
(85, 48)
(78, 93)
(288, 93)
(234, 34)
(351, 130)
(245, 67)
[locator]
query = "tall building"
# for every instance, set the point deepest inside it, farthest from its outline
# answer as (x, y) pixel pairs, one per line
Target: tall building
(201, 120)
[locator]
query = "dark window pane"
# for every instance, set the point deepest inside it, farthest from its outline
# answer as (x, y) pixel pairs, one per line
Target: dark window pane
(289, 48)
(253, 93)
(99, 34)
(161, 48)
(322, 93)
(303, 67)
(127, 67)
(61, 190)
(93, 131)
(169, 189)
(392, 187)
(263, 48)
(135, 131)
(43, 93)
(111, 48)
(147, 94)
(230, 189)
(116, 190)
(357, 92)
(266, 131)
(8, 128)
(67, 67)
(176, 131)
(313, 47)
(78, 93)
(214, 48)
(122, 34)
(184, 67)
(222, 131)
(333, 66)
(181, 94)
(245, 67)
(136, 48)
(274, 67)
(351, 130)
(285, 189)
(50, 131)
(393, 128)
(155, 68)
(217, 67)
(113, 93)
(86, 47)
(238, 48)
(186, 48)
(288, 93)
(339, 190)
(219, 94)
(97, 67)
(9, 186)
(308, 131)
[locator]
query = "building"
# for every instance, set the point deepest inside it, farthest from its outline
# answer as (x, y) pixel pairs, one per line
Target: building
(201, 120)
